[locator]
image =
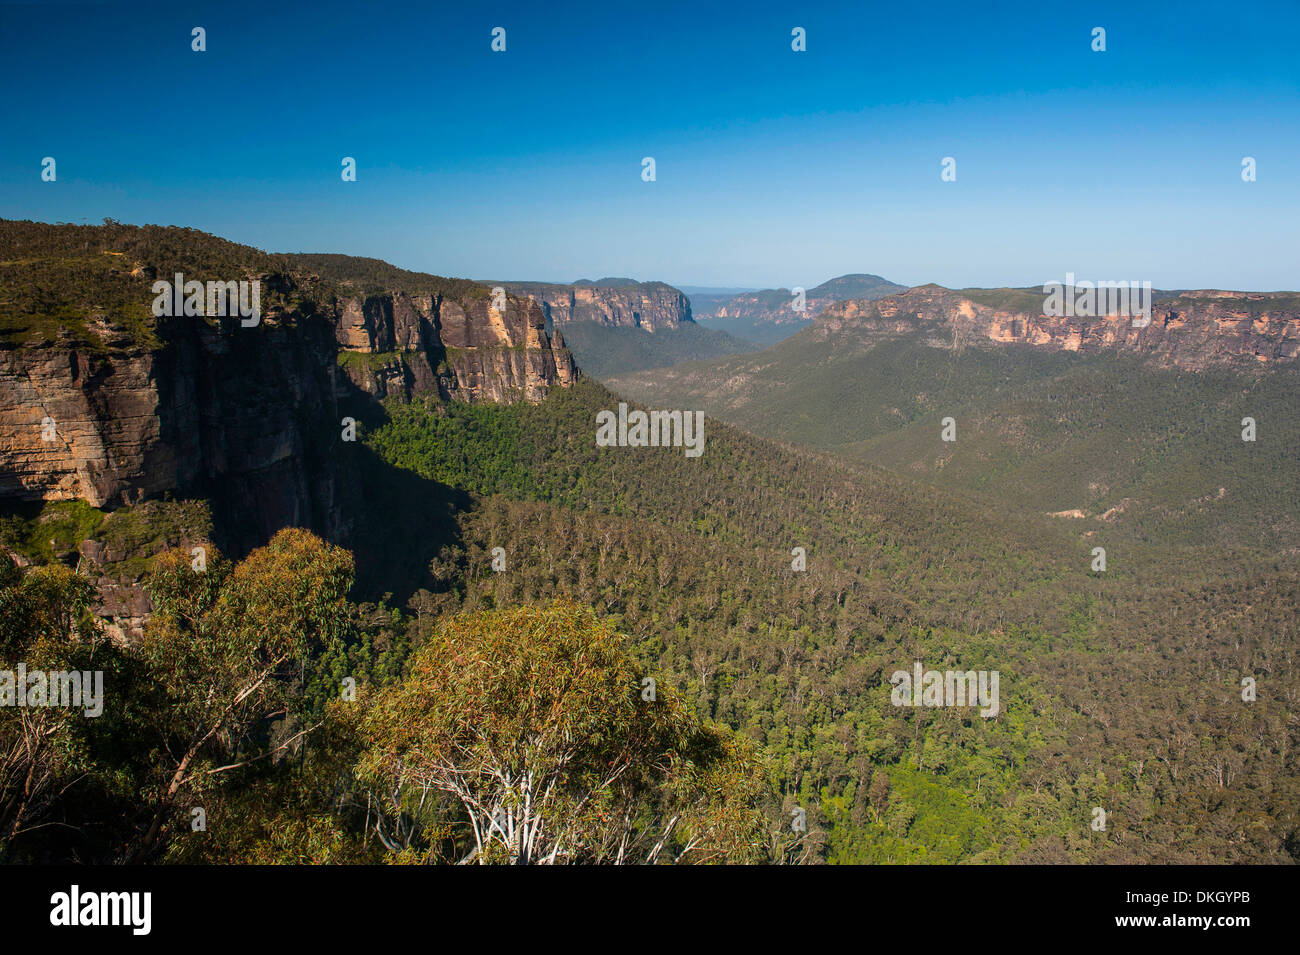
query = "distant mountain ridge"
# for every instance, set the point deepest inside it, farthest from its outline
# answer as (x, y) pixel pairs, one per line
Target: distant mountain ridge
(769, 315)
(705, 299)
(619, 325)
(603, 350)
(777, 305)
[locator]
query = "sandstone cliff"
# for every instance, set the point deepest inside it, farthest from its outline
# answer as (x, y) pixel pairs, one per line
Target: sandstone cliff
(244, 414)
(100, 402)
(611, 302)
(467, 349)
(1190, 330)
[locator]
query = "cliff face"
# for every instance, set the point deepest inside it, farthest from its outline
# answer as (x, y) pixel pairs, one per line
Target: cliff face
(647, 305)
(104, 420)
(243, 418)
(1190, 330)
(99, 402)
(240, 415)
(465, 348)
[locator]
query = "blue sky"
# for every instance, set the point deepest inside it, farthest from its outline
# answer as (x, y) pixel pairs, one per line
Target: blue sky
(773, 167)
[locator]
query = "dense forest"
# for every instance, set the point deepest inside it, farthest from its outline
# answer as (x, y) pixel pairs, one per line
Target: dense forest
(1120, 690)
(1149, 447)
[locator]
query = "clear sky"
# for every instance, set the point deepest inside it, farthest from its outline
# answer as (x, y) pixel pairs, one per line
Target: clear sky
(773, 167)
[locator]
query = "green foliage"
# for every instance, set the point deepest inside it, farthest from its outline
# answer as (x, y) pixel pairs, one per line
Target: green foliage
(56, 279)
(44, 627)
(466, 445)
(60, 282)
(374, 276)
(692, 559)
(49, 531)
(1147, 447)
(231, 706)
(1119, 690)
(534, 720)
(133, 535)
(1025, 301)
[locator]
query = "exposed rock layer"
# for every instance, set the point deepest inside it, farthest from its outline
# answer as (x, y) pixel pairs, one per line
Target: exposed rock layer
(250, 416)
(466, 349)
(99, 402)
(647, 305)
(1191, 330)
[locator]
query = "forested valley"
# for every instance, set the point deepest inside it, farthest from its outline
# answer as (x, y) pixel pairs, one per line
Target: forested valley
(474, 635)
(1120, 690)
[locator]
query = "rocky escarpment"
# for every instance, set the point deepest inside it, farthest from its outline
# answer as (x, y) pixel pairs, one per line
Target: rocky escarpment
(102, 403)
(244, 416)
(467, 348)
(611, 302)
(1190, 330)
(249, 417)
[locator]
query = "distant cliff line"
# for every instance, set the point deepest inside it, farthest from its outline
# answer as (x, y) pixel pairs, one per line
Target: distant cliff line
(1187, 329)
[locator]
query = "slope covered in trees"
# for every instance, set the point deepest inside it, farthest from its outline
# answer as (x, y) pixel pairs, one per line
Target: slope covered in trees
(1151, 452)
(1119, 690)
(254, 723)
